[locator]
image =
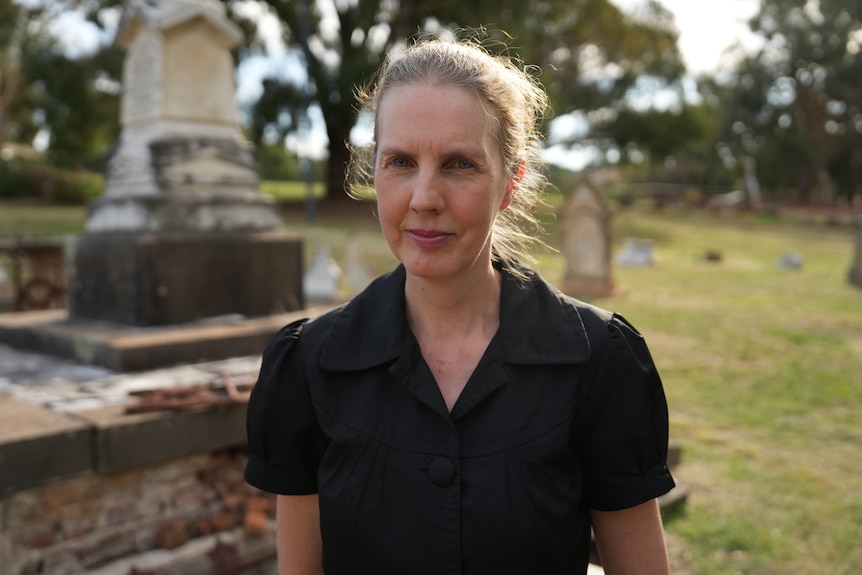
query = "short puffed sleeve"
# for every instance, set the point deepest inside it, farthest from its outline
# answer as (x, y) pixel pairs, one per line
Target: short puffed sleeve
(622, 438)
(285, 442)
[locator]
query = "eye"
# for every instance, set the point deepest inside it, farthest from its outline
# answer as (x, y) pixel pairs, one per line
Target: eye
(399, 162)
(463, 164)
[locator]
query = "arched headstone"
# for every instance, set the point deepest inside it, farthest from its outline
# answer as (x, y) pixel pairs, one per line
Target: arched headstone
(587, 243)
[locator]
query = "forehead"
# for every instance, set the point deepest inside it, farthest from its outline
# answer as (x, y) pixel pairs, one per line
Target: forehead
(426, 108)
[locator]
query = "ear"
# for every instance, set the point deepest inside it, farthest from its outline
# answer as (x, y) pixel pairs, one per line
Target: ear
(512, 185)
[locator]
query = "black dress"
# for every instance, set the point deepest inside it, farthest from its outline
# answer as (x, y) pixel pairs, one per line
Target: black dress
(564, 413)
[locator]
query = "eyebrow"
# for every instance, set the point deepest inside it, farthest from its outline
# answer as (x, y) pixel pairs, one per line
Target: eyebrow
(476, 153)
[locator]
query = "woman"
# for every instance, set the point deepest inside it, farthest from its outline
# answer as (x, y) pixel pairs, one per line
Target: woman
(460, 415)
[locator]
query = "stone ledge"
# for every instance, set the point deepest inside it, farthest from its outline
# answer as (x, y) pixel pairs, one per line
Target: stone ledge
(124, 441)
(38, 445)
(125, 349)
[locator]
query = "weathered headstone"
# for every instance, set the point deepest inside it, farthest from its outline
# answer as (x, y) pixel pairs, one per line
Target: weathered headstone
(855, 275)
(182, 232)
(587, 243)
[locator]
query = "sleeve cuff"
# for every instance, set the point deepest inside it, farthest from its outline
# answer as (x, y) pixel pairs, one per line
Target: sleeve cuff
(276, 479)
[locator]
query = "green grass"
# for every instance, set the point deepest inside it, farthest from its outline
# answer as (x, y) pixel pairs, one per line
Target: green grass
(292, 191)
(22, 219)
(763, 373)
(762, 368)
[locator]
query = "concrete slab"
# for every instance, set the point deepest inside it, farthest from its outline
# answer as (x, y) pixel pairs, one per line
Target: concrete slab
(128, 348)
(37, 444)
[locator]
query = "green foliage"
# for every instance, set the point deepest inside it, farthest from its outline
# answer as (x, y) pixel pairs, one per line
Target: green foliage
(75, 187)
(292, 191)
(276, 162)
(83, 121)
(73, 99)
(795, 105)
(45, 183)
(571, 44)
(660, 133)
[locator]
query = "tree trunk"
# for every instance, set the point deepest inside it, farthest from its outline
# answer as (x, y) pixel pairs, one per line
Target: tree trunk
(339, 159)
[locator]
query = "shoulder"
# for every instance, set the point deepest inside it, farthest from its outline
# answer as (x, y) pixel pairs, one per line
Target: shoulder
(541, 322)
(363, 332)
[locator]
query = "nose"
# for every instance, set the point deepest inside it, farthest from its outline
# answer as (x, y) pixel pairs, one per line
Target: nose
(427, 193)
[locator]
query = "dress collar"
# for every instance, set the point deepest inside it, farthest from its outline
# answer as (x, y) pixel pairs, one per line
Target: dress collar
(538, 325)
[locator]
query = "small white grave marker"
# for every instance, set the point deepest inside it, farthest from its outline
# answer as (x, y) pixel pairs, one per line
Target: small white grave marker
(322, 279)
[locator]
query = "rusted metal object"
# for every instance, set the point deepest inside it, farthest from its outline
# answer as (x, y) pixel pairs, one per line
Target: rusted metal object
(223, 392)
(37, 272)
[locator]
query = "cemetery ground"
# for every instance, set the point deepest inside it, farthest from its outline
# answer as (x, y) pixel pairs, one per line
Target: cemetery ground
(762, 367)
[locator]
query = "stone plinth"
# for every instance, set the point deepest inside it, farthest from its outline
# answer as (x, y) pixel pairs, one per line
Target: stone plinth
(150, 279)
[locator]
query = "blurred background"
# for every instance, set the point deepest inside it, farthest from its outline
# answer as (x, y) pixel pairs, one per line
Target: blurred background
(725, 133)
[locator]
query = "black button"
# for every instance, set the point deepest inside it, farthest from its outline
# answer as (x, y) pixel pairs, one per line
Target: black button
(441, 471)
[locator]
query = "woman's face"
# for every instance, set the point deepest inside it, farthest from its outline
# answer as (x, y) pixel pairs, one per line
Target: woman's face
(440, 179)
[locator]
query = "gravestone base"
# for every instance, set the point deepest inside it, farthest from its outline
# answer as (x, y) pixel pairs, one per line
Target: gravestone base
(149, 279)
(581, 286)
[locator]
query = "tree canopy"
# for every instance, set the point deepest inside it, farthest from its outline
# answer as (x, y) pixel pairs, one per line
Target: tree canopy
(590, 56)
(796, 105)
(72, 99)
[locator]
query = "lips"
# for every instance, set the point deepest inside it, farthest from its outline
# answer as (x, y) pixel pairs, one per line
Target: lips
(429, 238)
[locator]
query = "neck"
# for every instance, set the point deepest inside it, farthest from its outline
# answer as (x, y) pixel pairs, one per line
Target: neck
(442, 308)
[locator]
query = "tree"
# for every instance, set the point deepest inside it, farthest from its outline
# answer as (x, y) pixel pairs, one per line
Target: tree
(73, 99)
(81, 117)
(16, 33)
(591, 55)
(796, 104)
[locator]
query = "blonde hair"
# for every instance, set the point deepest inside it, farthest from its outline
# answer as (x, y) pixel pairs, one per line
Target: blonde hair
(518, 102)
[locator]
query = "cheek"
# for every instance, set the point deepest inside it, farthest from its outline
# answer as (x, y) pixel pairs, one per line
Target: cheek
(388, 213)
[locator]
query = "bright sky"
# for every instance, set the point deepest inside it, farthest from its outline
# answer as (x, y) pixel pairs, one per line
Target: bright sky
(707, 28)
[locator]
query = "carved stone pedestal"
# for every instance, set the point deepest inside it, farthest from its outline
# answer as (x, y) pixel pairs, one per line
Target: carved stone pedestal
(148, 279)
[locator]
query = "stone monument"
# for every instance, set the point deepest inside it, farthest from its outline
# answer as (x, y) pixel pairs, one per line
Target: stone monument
(182, 231)
(587, 243)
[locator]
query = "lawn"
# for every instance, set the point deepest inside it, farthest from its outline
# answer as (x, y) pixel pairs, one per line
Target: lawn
(762, 368)
(763, 373)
